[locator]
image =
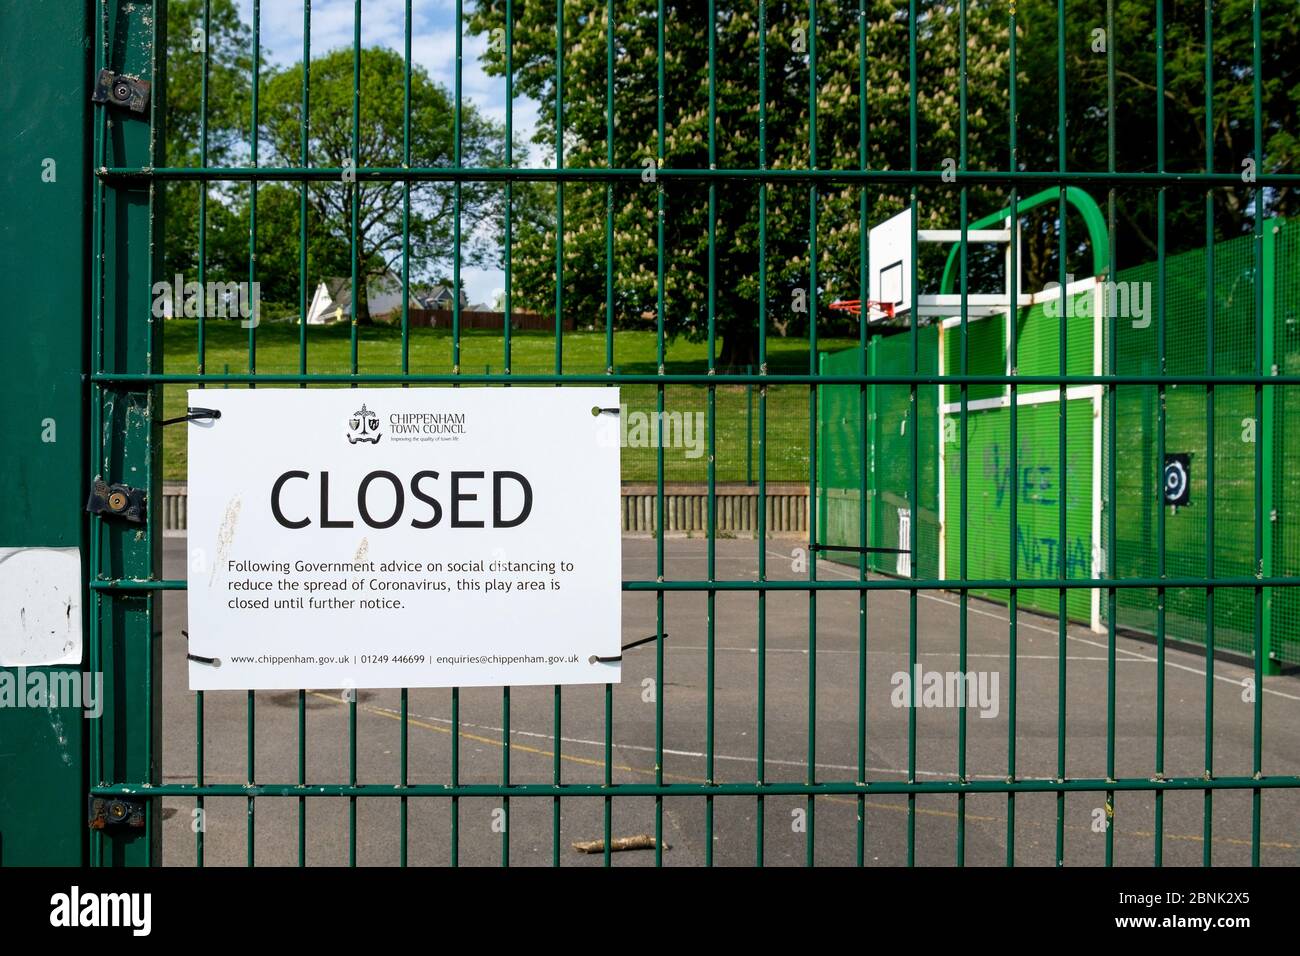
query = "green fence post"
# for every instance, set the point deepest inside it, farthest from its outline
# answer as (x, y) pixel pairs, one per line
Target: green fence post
(1271, 665)
(127, 442)
(43, 233)
(749, 428)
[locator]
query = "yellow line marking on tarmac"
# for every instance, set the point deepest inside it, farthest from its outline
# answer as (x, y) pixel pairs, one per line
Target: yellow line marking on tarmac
(833, 798)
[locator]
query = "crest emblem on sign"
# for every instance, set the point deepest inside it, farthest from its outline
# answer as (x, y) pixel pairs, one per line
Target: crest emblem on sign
(364, 426)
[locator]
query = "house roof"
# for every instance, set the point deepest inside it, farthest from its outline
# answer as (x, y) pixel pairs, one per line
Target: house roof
(339, 289)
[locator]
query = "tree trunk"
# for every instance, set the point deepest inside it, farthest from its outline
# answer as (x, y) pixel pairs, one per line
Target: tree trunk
(739, 345)
(362, 298)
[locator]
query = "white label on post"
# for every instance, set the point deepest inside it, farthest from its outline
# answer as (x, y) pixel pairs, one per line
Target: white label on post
(40, 607)
(904, 564)
(415, 537)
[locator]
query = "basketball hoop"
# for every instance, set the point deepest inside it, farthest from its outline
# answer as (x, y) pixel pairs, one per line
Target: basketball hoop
(875, 310)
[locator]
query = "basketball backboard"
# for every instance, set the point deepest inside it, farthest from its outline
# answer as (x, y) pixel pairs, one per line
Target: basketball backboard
(890, 246)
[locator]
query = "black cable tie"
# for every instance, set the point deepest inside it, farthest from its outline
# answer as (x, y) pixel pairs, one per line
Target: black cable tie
(210, 661)
(193, 414)
(627, 647)
(843, 547)
(597, 410)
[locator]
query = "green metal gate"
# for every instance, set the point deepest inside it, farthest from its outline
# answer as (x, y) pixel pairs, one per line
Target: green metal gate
(884, 379)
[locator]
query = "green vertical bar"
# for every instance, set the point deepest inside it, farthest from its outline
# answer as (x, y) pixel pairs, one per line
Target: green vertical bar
(556, 780)
(964, 462)
(130, 342)
(406, 208)
(1161, 425)
(302, 777)
(559, 358)
(252, 186)
(404, 810)
(609, 187)
(43, 766)
(1267, 440)
(302, 369)
(864, 337)
(659, 443)
(250, 767)
(403, 770)
(251, 708)
(302, 189)
(354, 187)
(1258, 199)
(198, 776)
(1013, 279)
(913, 498)
(508, 241)
(199, 831)
(608, 807)
(357, 291)
(1061, 408)
(749, 426)
(98, 282)
(559, 186)
(761, 743)
(203, 216)
(1207, 828)
(712, 430)
(457, 192)
(455, 776)
(1112, 395)
(455, 361)
(505, 774)
(609, 772)
(811, 778)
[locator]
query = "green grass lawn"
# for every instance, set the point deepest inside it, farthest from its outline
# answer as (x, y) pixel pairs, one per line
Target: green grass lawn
(379, 350)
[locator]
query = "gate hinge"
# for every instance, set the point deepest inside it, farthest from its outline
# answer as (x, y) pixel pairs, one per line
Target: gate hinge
(116, 813)
(116, 499)
(118, 90)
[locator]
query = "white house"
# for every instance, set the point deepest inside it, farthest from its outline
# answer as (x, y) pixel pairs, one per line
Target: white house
(332, 301)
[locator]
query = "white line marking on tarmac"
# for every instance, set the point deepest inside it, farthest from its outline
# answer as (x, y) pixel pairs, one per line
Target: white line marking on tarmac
(1135, 655)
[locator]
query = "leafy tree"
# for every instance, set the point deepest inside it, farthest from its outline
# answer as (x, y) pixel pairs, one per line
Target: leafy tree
(230, 63)
(890, 141)
(279, 247)
(687, 128)
(1132, 42)
(380, 144)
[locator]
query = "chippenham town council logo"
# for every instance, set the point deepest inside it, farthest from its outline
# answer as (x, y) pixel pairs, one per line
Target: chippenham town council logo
(364, 426)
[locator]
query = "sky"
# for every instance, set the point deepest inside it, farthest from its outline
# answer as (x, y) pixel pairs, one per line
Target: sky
(433, 47)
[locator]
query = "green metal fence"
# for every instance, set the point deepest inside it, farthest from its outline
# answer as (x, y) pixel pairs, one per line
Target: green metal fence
(1231, 444)
(126, 378)
(1133, 489)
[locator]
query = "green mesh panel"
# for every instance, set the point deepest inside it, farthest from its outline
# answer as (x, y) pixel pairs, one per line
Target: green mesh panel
(1137, 494)
(889, 454)
(1038, 339)
(1286, 448)
(1038, 495)
(985, 355)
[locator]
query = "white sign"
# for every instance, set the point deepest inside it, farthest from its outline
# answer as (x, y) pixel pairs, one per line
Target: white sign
(412, 537)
